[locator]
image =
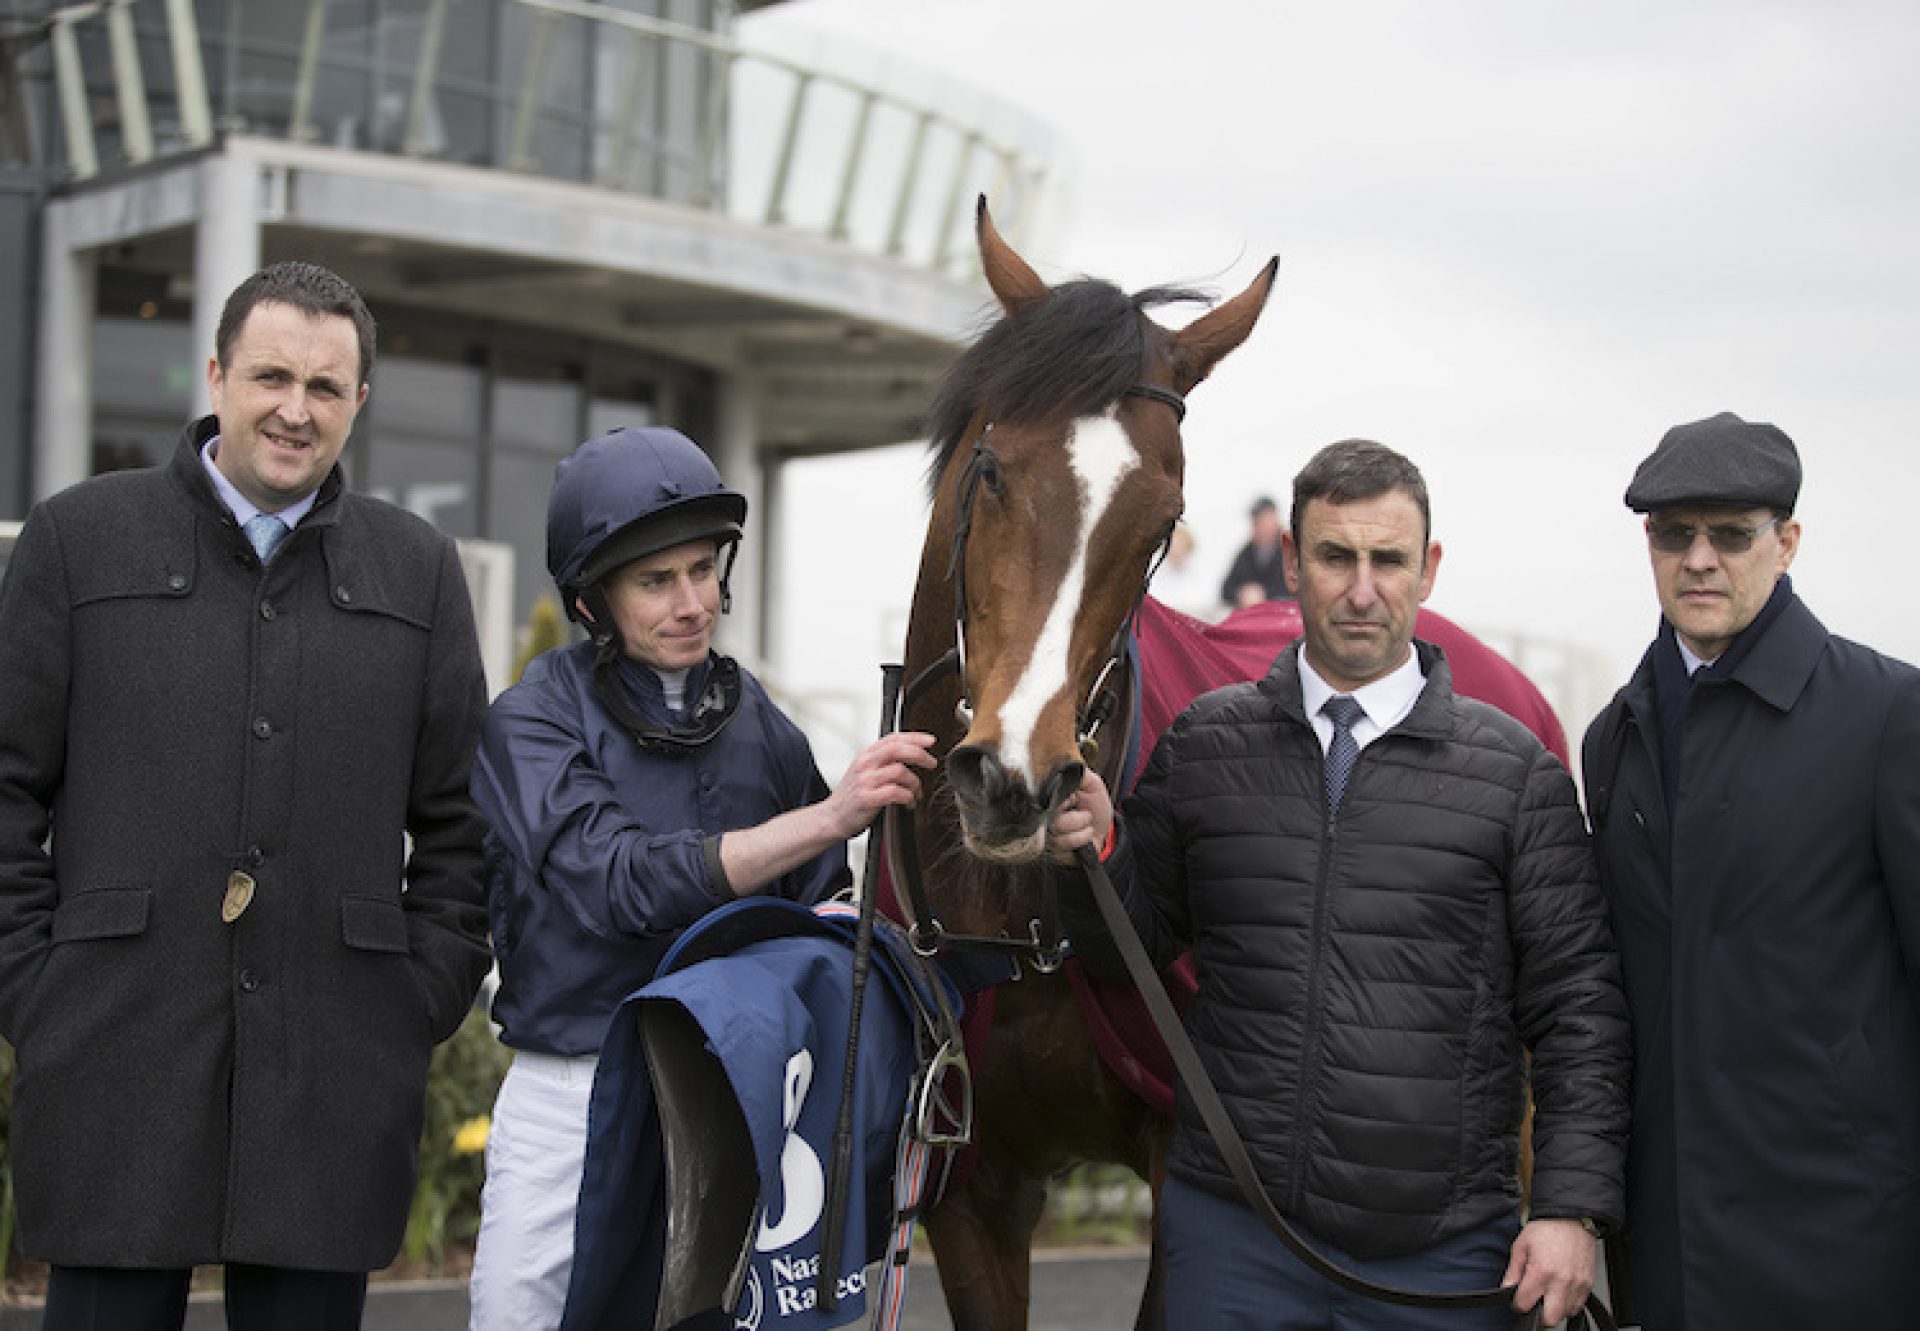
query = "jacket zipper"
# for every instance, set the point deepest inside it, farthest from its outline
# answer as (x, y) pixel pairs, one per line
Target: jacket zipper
(1310, 1036)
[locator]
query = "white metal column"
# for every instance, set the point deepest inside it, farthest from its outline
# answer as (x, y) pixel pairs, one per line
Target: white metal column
(775, 589)
(736, 452)
(63, 392)
(226, 249)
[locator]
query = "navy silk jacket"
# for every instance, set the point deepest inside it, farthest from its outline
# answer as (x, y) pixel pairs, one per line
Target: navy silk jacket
(598, 857)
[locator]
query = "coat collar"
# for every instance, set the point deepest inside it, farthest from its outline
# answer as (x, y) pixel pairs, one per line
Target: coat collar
(1784, 658)
(1432, 714)
(190, 476)
(1775, 670)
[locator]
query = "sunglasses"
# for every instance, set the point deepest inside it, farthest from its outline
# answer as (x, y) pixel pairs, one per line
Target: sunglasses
(1674, 538)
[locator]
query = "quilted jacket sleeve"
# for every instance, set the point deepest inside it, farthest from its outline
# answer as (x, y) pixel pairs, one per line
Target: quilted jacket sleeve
(1569, 1004)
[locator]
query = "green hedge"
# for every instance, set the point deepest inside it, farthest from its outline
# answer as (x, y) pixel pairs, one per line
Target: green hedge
(461, 1086)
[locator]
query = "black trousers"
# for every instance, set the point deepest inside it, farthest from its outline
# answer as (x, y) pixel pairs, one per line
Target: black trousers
(259, 1298)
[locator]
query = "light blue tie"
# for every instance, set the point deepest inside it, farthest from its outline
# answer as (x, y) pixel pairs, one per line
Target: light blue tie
(266, 532)
(1345, 713)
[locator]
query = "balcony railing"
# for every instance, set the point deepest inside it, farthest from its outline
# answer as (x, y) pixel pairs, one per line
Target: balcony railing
(554, 88)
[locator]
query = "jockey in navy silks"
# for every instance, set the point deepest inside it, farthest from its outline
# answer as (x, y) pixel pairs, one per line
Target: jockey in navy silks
(633, 783)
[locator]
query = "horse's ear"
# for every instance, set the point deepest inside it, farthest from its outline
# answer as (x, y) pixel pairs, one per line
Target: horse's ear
(1008, 275)
(1199, 346)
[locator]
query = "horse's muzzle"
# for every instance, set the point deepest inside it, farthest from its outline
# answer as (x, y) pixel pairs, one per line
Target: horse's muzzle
(1000, 818)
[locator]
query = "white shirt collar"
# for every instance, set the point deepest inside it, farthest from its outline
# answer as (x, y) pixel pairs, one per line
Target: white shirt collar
(1386, 701)
(1694, 664)
(242, 508)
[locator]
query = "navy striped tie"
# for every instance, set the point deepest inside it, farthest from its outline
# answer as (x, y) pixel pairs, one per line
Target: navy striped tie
(1344, 712)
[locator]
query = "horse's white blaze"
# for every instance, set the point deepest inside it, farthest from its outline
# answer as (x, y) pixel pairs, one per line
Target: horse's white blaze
(1101, 455)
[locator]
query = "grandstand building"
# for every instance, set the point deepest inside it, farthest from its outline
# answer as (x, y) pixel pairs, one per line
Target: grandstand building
(565, 216)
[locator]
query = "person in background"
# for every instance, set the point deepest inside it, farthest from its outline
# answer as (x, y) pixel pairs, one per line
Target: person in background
(242, 701)
(1397, 930)
(1178, 584)
(1754, 791)
(1258, 572)
(632, 784)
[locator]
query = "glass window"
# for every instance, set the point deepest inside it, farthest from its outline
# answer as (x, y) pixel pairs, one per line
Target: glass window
(146, 366)
(343, 100)
(435, 479)
(517, 514)
(464, 91)
(413, 396)
(122, 440)
(258, 70)
(604, 414)
(562, 92)
(535, 414)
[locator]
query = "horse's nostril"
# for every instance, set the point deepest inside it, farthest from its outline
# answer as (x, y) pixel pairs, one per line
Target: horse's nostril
(1064, 781)
(974, 772)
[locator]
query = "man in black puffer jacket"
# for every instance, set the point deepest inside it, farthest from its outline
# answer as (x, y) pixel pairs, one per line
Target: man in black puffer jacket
(1389, 911)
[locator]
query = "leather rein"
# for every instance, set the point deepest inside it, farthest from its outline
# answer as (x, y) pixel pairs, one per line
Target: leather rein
(1045, 946)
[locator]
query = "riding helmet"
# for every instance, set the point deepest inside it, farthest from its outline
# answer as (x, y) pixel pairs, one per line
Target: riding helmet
(628, 494)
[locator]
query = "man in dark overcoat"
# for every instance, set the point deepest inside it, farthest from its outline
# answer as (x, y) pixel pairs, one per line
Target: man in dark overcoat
(1755, 795)
(230, 693)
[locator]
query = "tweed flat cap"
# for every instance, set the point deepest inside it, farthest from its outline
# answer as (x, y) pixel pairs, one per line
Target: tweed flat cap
(1721, 460)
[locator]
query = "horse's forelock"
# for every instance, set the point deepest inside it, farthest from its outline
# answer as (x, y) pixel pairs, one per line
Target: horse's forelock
(1070, 355)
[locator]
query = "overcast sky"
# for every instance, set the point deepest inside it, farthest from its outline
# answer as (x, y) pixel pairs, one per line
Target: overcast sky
(1518, 241)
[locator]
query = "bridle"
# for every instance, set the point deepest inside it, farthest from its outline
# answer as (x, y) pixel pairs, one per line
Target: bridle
(983, 468)
(1045, 947)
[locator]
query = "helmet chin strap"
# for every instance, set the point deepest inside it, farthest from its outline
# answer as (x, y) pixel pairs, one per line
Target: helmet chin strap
(730, 553)
(589, 608)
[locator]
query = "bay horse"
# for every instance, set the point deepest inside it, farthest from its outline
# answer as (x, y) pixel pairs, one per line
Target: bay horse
(1056, 478)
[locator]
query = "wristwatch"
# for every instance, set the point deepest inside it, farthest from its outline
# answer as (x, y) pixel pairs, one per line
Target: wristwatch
(1587, 1223)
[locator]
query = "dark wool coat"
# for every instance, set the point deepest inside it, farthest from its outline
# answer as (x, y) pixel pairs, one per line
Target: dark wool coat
(191, 1091)
(1770, 937)
(1367, 984)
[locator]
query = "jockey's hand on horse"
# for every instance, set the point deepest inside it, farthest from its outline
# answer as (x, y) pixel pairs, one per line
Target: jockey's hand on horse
(883, 773)
(1084, 820)
(1552, 1260)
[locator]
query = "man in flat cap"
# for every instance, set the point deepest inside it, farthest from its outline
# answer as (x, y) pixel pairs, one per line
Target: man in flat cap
(1755, 798)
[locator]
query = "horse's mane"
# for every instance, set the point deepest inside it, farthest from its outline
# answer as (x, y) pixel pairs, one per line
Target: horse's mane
(1070, 353)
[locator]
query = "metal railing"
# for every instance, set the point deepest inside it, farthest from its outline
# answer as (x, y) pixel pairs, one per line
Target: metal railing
(674, 112)
(73, 92)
